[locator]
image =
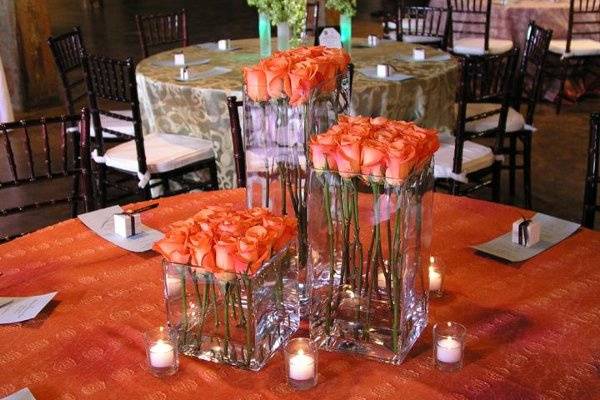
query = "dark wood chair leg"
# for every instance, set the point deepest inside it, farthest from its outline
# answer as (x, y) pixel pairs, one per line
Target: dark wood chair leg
(563, 75)
(527, 168)
(214, 181)
(102, 185)
(512, 165)
(496, 168)
(164, 181)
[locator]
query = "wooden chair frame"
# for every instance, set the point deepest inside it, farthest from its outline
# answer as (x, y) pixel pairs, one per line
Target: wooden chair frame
(158, 30)
(437, 24)
(312, 17)
(79, 169)
(474, 15)
(239, 155)
(590, 196)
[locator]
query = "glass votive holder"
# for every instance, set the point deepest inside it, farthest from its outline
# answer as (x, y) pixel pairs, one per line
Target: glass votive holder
(449, 345)
(436, 277)
(161, 352)
(301, 362)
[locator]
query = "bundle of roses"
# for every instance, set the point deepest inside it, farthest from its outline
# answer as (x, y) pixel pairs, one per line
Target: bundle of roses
(295, 73)
(377, 148)
(221, 239)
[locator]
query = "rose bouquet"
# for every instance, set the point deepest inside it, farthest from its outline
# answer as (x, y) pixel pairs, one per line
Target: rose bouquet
(287, 97)
(230, 289)
(369, 218)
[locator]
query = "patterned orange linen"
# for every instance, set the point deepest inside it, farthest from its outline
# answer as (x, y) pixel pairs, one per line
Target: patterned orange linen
(533, 328)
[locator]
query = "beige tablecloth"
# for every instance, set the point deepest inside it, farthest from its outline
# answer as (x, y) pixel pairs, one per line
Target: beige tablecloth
(199, 107)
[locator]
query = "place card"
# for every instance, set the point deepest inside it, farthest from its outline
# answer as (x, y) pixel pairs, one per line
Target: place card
(371, 72)
(23, 394)
(553, 230)
(102, 223)
(211, 73)
(19, 309)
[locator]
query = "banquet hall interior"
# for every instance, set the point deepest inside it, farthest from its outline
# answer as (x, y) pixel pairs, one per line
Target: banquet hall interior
(130, 130)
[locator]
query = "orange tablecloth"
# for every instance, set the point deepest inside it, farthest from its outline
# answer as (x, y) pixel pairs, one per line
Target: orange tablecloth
(533, 328)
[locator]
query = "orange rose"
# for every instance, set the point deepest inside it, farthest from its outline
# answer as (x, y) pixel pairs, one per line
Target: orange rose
(173, 246)
(373, 159)
(401, 159)
(327, 69)
(256, 83)
(303, 78)
(277, 69)
(340, 57)
(224, 254)
(322, 150)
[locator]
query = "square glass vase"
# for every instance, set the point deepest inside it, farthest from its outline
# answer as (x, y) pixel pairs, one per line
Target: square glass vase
(369, 245)
(231, 318)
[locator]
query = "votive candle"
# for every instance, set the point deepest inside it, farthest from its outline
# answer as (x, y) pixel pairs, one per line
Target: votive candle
(436, 276)
(301, 362)
(448, 345)
(161, 352)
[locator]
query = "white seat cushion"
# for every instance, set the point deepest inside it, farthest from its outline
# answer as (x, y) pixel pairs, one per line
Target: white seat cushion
(474, 46)
(125, 127)
(475, 157)
(420, 39)
(164, 152)
(579, 47)
(514, 121)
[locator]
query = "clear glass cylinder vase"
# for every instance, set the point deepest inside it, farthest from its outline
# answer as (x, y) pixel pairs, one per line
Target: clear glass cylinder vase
(369, 244)
(275, 137)
(264, 35)
(283, 36)
(231, 318)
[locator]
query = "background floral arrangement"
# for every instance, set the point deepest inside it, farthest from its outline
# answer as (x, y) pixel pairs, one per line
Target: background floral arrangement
(346, 7)
(377, 148)
(223, 240)
(294, 73)
(291, 11)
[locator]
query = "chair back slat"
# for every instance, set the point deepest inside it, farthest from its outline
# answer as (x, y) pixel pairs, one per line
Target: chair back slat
(584, 20)
(65, 49)
(427, 22)
(590, 196)
(312, 17)
(471, 17)
(157, 30)
(529, 82)
(78, 167)
(485, 79)
(239, 156)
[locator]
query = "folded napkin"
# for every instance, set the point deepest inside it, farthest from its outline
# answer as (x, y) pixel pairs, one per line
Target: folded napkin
(102, 223)
(212, 46)
(23, 394)
(211, 73)
(188, 62)
(438, 57)
(371, 72)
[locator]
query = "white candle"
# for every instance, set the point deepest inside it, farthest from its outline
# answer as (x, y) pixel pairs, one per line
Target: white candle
(302, 367)
(449, 350)
(179, 59)
(224, 44)
(162, 354)
(383, 70)
(435, 279)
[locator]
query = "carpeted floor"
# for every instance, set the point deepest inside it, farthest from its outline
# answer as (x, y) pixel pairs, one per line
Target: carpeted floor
(559, 148)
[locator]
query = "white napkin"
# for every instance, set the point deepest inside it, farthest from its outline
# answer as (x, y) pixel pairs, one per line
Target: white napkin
(211, 73)
(212, 46)
(371, 72)
(438, 57)
(171, 63)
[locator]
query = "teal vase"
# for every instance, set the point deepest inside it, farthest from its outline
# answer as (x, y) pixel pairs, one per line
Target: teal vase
(264, 34)
(346, 31)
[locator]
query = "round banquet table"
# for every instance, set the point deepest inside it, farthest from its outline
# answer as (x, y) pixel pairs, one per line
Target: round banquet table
(532, 328)
(199, 107)
(510, 20)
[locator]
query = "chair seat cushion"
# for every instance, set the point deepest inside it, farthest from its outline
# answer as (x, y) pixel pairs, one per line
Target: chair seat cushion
(514, 121)
(125, 127)
(475, 158)
(164, 153)
(420, 39)
(579, 47)
(475, 46)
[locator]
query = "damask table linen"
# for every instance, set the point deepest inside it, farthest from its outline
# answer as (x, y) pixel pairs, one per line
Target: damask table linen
(199, 107)
(533, 329)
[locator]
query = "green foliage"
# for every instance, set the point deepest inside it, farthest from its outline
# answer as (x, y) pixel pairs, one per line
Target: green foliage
(347, 7)
(291, 11)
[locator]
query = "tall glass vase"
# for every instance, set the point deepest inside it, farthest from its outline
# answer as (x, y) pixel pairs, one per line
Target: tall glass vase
(346, 31)
(368, 244)
(264, 34)
(275, 134)
(283, 36)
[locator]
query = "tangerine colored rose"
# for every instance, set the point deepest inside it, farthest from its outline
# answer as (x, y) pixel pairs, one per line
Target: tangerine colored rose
(322, 149)
(373, 159)
(201, 249)
(303, 78)
(347, 156)
(402, 157)
(173, 246)
(225, 251)
(327, 69)
(277, 69)
(340, 57)
(256, 83)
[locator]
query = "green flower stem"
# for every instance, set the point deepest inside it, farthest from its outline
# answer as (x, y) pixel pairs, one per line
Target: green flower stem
(184, 313)
(358, 244)
(213, 293)
(374, 257)
(227, 335)
(330, 238)
(249, 318)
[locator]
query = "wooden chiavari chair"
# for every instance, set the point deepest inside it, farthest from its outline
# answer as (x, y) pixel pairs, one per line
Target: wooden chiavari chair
(66, 49)
(428, 26)
(239, 155)
(30, 142)
(590, 197)
(312, 18)
(577, 53)
(461, 165)
(471, 24)
(159, 31)
(161, 157)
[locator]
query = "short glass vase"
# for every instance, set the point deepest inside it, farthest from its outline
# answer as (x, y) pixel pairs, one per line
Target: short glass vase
(231, 318)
